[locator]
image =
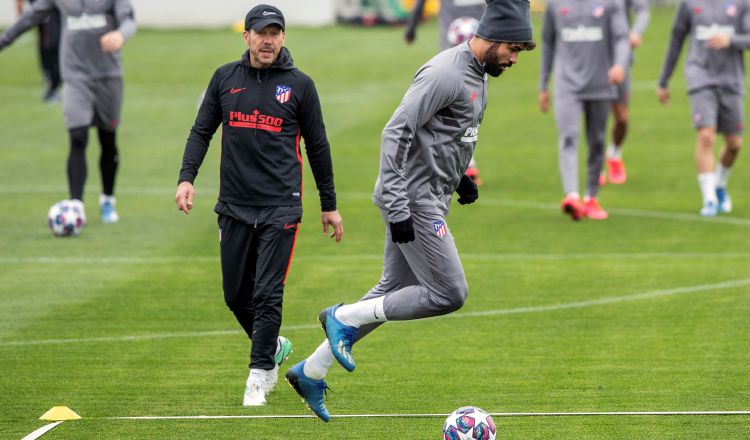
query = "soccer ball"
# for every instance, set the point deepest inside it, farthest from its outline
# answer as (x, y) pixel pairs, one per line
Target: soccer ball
(66, 218)
(469, 423)
(461, 30)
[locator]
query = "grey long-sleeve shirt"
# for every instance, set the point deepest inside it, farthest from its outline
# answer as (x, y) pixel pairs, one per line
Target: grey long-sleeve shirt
(582, 40)
(83, 24)
(641, 15)
(428, 142)
(706, 67)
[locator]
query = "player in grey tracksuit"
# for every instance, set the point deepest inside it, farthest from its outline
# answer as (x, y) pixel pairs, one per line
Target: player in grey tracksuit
(586, 43)
(719, 34)
(450, 10)
(425, 149)
(93, 31)
(638, 17)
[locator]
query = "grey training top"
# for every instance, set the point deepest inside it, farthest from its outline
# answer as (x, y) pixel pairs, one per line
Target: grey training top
(583, 39)
(428, 142)
(83, 24)
(706, 67)
(453, 9)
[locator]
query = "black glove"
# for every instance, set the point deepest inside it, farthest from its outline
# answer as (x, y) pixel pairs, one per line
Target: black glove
(467, 190)
(403, 231)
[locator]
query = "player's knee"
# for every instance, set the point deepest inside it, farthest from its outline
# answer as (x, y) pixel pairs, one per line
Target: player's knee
(456, 295)
(79, 137)
(706, 138)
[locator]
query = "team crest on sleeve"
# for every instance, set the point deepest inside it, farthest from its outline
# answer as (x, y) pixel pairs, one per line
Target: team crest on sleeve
(731, 9)
(597, 10)
(439, 227)
(283, 93)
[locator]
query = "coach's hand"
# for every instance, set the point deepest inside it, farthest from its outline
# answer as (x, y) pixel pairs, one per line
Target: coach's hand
(184, 197)
(467, 190)
(403, 231)
(333, 218)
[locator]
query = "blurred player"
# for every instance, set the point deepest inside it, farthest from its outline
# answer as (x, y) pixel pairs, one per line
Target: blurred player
(265, 105)
(620, 113)
(586, 43)
(450, 11)
(49, 52)
(93, 31)
(425, 149)
(715, 76)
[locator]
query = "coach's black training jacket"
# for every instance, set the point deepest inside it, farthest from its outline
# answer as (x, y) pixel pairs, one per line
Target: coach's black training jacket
(263, 113)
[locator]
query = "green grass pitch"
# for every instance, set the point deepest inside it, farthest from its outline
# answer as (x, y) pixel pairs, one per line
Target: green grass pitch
(647, 311)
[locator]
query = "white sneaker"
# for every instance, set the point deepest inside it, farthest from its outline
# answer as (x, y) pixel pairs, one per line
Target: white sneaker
(254, 394)
(272, 376)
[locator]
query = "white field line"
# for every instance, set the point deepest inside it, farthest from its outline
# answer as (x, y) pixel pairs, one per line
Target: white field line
(498, 312)
(211, 192)
(626, 212)
(377, 257)
(41, 431)
(429, 415)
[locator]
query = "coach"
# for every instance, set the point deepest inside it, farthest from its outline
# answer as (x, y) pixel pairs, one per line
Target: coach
(264, 105)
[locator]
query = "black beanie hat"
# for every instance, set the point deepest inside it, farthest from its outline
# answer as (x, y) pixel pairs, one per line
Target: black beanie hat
(507, 21)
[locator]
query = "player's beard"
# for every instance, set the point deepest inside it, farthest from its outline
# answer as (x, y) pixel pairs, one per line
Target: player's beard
(492, 64)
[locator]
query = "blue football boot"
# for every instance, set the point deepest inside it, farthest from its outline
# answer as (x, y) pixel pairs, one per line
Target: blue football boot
(312, 391)
(340, 336)
(725, 202)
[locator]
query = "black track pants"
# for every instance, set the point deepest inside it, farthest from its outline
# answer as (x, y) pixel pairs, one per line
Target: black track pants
(256, 254)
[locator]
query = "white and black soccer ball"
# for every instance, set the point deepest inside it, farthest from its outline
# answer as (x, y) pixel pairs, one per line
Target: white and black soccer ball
(461, 30)
(66, 218)
(469, 423)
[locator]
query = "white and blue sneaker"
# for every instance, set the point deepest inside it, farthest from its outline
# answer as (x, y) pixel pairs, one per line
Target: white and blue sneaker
(283, 349)
(340, 336)
(312, 391)
(107, 207)
(709, 209)
(725, 202)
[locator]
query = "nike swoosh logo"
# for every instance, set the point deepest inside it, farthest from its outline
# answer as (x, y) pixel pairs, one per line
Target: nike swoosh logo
(290, 225)
(233, 91)
(342, 351)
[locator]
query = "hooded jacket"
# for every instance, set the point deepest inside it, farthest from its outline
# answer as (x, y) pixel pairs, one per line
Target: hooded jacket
(263, 114)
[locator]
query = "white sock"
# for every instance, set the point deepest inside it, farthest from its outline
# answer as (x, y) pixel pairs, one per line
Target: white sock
(614, 151)
(317, 365)
(707, 183)
(722, 175)
(573, 194)
(105, 198)
(362, 312)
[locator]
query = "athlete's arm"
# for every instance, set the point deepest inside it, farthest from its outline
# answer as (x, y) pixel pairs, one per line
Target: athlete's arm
(549, 33)
(741, 39)
(680, 30)
(208, 120)
(318, 150)
(112, 41)
(411, 25)
(433, 89)
(641, 17)
(37, 13)
(621, 35)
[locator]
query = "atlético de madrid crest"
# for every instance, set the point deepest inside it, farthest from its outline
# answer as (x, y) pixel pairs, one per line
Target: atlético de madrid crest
(731, 9)
(283, 93)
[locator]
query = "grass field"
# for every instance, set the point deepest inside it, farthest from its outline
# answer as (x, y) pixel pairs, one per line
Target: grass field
(647, 311)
